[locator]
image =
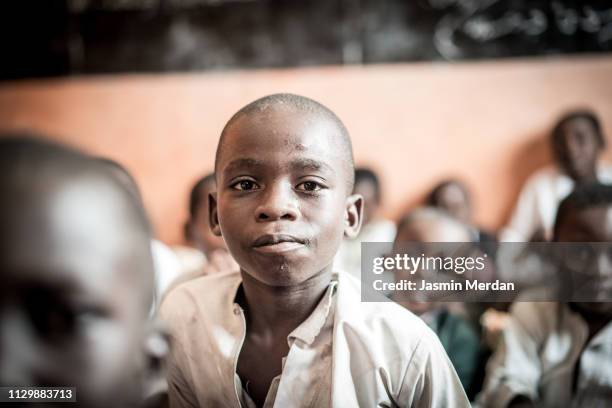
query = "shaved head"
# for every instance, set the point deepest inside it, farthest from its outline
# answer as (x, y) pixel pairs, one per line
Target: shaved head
(429, 224)
(308, 109)
(38, 174)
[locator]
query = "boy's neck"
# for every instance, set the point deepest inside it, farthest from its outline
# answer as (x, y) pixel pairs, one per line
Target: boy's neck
(281, 309)
(586, 179)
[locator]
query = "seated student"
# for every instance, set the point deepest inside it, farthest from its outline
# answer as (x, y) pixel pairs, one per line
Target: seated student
(285, 330)
(374, 227)
(577, 142)
(453, 197)
(456, 334)
(559, 354)
(77, 275)
(206, 252)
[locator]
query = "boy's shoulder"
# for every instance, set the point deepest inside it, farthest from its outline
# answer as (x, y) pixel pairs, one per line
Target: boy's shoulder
(384, 322)
(538, 319)
(213, 292)
(545, 176)
(372, 338)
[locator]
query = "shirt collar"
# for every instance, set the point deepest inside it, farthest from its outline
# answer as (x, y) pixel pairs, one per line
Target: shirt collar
(312, 326)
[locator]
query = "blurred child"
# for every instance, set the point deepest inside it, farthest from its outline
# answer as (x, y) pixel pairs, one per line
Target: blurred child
(286, 330)
(453, 197)
(457, 336)
(375, 228)
(206, 252)
(77, 275)
(559, 354)
(577, 141)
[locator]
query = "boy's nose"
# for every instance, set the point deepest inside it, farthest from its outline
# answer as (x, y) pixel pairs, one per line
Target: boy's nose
(279, 203)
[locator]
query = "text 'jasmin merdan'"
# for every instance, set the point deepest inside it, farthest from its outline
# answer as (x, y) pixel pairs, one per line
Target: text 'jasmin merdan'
(423, 285)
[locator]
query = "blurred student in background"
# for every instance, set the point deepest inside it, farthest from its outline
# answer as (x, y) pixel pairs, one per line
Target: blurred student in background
(77, 275)
(456, 334)
(453, 197)
(577, 142)
(375, 227)
(560, 354)
(206, 253)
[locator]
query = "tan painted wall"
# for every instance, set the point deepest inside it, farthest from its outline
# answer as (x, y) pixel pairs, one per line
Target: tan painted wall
(417, 123)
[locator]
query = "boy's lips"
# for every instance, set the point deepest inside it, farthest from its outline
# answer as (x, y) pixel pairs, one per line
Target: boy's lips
(277, 243)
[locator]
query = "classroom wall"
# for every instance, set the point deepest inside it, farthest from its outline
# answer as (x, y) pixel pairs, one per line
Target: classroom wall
(486, 122)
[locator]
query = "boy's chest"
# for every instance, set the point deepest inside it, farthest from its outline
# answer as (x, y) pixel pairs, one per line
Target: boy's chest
(259, 364)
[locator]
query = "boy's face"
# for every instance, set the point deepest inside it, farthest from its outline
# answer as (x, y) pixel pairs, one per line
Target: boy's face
(592, 224)
(578, 149)
(282, 189)
(72, 310)
(424, 231)
(453, 199)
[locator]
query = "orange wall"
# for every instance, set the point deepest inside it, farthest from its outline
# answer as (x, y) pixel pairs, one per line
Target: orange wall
(417, 123)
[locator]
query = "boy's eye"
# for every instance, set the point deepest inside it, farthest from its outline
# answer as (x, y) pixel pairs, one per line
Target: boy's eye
(51, 318)
(309, 186)
(245, 185)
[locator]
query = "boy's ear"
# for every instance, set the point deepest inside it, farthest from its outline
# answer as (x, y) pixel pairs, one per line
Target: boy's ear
(213, 218)
(353, 215)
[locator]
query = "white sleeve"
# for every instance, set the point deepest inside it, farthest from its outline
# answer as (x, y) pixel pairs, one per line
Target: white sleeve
(515, 368)
(525, 219)
(434, 382)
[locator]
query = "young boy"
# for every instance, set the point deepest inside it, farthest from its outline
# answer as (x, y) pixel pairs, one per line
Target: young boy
(77, 275)
(207, 252)
(577, 142)
(285, 330)
(560, 354)
(453, 196)
(457, 336)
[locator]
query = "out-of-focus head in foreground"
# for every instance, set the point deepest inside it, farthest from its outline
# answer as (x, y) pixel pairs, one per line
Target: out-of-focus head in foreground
(77, 274)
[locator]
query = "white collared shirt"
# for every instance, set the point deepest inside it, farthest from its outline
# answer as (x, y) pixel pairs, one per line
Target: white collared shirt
(536, 207)
(538, 356)
(307, 367)
(378, 354)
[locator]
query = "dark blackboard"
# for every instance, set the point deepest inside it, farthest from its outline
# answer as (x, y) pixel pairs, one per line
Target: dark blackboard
(64, 37)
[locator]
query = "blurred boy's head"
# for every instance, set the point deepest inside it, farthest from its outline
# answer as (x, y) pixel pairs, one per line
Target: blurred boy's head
(198, 232)
(284, 169)
(577, 141)
(431, 225)
(77, 274)
(453, 197)
(122, 175)
(425, 225)
(585, 216)
(367, 185)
